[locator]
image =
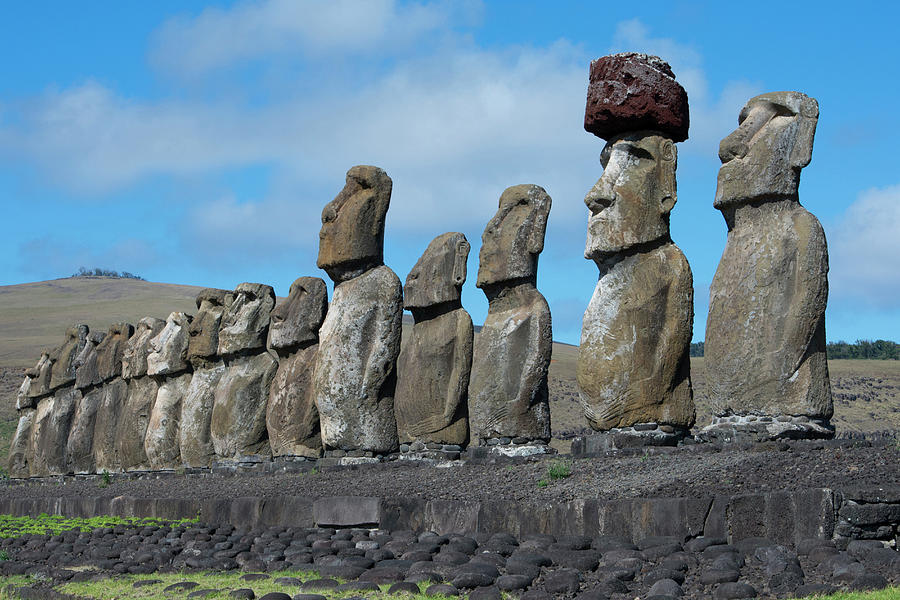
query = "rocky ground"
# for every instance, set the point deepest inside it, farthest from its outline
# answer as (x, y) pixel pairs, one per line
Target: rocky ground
(689, 471)
(536, 567)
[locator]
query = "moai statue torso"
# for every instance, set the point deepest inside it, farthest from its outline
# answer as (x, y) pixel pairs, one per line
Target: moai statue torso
(203, 353)
(238, 421)
(79, 448)
(435, 362)
(359, 341)
(115, 392)
(765, 334)
(168, 364)
(292, 418)
(633, 363)
(511, 354)
(21, 449)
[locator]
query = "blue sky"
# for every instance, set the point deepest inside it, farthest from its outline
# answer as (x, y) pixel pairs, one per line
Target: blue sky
(197, 142)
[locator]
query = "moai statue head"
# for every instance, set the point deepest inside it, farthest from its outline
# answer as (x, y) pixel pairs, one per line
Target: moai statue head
(763, 157)
(40, 376)
(245, 324)
(134, 359)
(297, 319)
(351, 240)
(86, 373)
(514, 237)
(168, 350)
(111, 349)
(439, 274)
(204, 330)
(63, 357)
(635, 104)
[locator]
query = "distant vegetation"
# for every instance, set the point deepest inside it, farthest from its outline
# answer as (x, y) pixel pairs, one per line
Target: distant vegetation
(862, 349)
(97, 272)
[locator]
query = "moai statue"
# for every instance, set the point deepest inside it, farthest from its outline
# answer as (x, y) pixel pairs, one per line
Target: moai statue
(511, 357)
(435, 363)
(238, 423)
(39, 375)
(765, 334)
(292, 418)
(196, 407)
(21, 449)
(168, 364)
(79, 448)
(633, 366)
(359, 341)
(53, 418)
(115, 393)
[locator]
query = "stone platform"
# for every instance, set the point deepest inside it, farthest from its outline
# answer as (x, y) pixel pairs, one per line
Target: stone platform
(761, 428)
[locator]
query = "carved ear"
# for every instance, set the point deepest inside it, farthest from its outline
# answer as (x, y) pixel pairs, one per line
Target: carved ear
(541, 210)
(459, 262)
(668, 163)
(801, 153)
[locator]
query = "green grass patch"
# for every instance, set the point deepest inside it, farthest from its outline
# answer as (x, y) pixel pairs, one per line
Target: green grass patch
(11, 526)
(557, 469)
(891, 593)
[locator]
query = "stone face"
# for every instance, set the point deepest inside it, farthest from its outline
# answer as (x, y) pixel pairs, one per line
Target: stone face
(245, 324)
(632, 92)
(20, 449)
(196, 413)
(355, 374)
(434, 365)
(238, 421)
(511, 354)
(63, 358)
(765, 333)
(40, 376)
(297, 319)
(134, 357)
(169, 349)
(634, 361)
(133, 421)
(23, 397)
(51, 431)
(111, 350)
(352, 236)
(115, 393)
(204, 329)
(162, 441)
(292, 419)
(86, 370)
(79, 448)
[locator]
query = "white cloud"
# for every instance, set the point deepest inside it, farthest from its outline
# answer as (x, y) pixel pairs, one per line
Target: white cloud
(218, 38)
(863, 246)
(712, 118)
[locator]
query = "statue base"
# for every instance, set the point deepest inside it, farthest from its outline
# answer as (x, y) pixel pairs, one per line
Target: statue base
(639, 435)
(429, 451)
(763, 428)
(509, 448)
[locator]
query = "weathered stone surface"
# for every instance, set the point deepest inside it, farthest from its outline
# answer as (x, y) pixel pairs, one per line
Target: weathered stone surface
(111, 350)
(511, 354)
(435, 363)
(79, 448)
(631, 92)
(23, 399)
(132, 424)
(355, 374)
(134, 357)
(63, 358)
(40, 376)
(245, 323)
(238, 422)
(292, 419)
(20, 449)
(633, 364)
(211, 306)
(115, 393)
(169, 349)
(297, 319)
(196, 413)
(162, 442)
(86, 373)
(51, 431)
(765, 334)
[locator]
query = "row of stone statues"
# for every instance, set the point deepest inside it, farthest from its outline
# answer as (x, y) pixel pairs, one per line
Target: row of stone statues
(247, 377)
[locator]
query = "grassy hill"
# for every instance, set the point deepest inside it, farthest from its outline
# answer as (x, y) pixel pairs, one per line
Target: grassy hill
(35, 316)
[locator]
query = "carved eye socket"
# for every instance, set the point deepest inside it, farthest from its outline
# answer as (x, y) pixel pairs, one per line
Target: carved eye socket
(604, 156)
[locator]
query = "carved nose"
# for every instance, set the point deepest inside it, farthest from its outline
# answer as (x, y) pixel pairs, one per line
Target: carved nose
(733, 146)
(600, 197)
